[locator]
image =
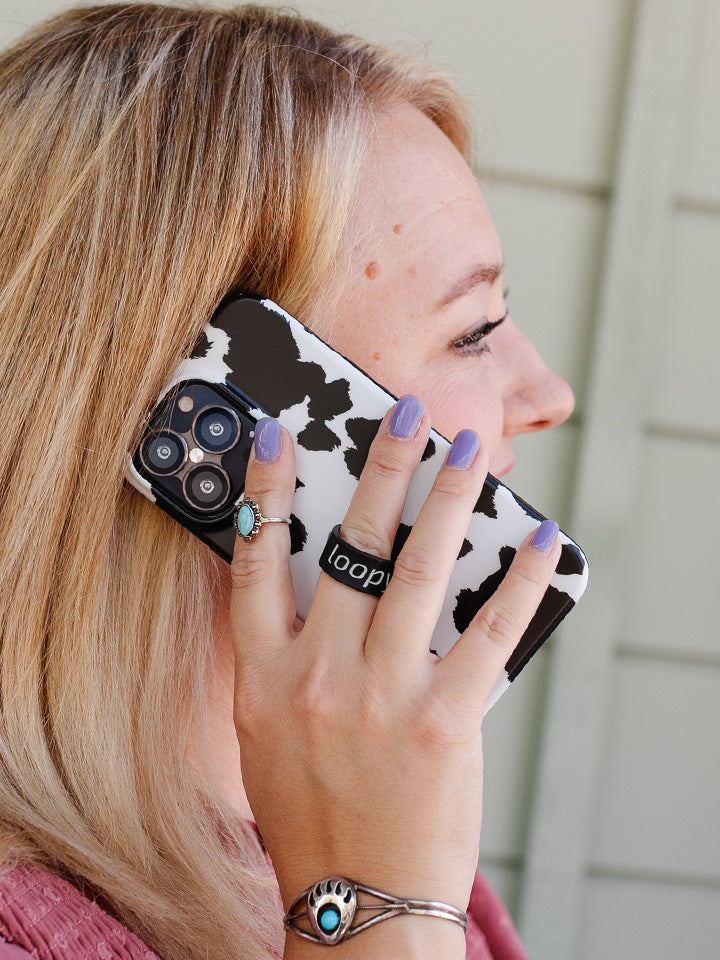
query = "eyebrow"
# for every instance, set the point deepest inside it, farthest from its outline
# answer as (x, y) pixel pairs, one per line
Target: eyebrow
(481, 273)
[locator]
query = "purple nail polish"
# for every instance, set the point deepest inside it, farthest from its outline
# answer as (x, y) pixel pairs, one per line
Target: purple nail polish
(267, 439)
(462, 452)
(406, 418)
(545, 536)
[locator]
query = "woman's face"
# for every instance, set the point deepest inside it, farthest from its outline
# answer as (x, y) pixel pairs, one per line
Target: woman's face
(416, 298)
(417, 288)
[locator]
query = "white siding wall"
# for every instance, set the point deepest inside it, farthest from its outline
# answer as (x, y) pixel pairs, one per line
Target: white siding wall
(600, 135)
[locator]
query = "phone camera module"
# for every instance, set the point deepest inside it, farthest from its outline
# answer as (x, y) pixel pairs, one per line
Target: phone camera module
(163, 452)
(217, 429)
(207, 487)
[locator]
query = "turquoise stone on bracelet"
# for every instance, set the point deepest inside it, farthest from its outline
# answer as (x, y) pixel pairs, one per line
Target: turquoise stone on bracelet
(245, 520)
(329, 919)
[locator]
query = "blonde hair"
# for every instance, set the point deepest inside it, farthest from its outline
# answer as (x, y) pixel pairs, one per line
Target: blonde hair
(152, 158)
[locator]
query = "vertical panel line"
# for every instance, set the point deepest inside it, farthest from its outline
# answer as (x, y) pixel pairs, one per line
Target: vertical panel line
(562, 818)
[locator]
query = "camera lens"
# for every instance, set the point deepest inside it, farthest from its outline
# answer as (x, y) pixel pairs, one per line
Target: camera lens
(207, 487)
(216, 429)
(163, 452)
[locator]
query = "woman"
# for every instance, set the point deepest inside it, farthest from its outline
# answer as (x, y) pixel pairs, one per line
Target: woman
(154, 158)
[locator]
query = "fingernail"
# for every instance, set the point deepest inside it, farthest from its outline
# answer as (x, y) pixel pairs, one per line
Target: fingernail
(462, 452)
(267, 439)
(545, 536)
(406, 418)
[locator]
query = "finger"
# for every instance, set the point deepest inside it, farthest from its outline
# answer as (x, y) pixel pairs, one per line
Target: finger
(262, 603)
(373, 516)
(411, 605)
(469, 672)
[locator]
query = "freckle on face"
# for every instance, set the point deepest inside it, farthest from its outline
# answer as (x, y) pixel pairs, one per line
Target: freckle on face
(372, 270)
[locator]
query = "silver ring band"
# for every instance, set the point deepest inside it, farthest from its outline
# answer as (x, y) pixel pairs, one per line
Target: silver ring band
(248, 519)
(330, 906)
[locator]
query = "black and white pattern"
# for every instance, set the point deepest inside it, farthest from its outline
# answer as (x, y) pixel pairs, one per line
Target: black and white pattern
(281, 369)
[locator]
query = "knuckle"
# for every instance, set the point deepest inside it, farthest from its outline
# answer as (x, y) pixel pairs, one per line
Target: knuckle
(438, 723)
(455, 483)
(500, 627)
(531, 574)
(361, 534)
(416, 566)
(250, 566)
(264, 486)
(243, 716)
(272, 486)
(373, 710)
(312, 700)
(384, 468)
(250, 695)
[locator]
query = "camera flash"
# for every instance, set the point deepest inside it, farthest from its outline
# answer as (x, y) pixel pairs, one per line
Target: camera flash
(186, 403)
(196, 455)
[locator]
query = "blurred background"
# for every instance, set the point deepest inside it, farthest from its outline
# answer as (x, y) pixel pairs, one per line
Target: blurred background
(599, 153)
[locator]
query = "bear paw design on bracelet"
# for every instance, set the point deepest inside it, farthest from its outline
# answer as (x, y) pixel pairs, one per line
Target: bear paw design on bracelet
(331, 907)
(332, 903)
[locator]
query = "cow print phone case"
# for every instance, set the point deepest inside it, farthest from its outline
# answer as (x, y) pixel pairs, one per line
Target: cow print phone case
(255, 360)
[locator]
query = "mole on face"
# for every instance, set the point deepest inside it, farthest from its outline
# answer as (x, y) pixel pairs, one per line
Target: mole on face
(372, 270)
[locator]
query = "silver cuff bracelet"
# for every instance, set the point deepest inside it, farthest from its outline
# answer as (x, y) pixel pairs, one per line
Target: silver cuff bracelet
(330, 906)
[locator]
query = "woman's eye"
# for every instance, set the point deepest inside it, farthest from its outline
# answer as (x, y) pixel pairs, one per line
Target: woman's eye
(474, 343)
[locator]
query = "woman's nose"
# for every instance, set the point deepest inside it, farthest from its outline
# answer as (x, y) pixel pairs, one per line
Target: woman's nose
(536, 397)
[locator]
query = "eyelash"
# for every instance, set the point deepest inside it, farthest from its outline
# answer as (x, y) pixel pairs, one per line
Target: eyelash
(472, 344)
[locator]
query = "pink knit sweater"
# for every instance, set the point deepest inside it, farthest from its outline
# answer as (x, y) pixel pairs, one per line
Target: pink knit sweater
(45, 917)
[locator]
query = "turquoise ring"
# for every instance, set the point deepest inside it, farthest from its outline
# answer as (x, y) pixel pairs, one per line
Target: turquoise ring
(248, 519)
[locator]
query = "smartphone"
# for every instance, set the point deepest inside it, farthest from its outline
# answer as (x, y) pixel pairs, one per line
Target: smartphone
(254, 360)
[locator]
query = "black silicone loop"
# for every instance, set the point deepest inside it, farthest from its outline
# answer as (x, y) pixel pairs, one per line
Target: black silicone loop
(355, 568)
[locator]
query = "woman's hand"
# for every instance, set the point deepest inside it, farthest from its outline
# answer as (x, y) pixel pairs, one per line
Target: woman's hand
(361, 752)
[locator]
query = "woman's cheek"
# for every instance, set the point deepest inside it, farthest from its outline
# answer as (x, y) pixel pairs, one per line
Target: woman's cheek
(453, 410)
